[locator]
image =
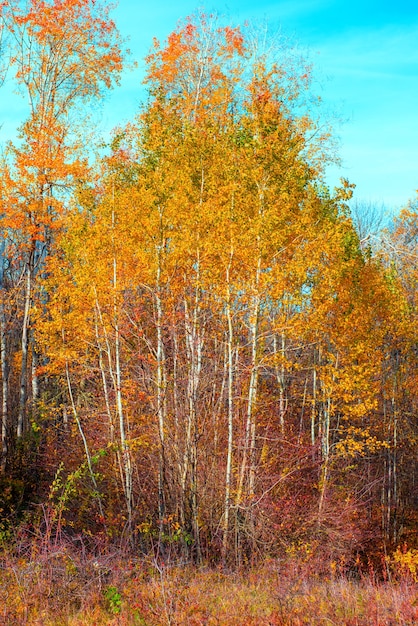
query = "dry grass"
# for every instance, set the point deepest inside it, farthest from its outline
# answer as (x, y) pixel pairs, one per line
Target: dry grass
(61, 588)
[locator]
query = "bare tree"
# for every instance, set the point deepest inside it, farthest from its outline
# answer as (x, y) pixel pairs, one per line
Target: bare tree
(368, 219)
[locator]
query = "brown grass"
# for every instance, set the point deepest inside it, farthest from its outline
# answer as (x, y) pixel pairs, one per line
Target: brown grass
(62, 588)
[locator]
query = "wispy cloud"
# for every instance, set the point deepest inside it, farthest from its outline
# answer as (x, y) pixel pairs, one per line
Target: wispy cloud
(386, 50)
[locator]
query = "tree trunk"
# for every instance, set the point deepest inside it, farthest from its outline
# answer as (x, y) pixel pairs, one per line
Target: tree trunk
(4, 364)
(230, 365)
(21, 419)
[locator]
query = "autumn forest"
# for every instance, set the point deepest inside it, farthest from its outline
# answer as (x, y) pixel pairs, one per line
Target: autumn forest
(206, 358)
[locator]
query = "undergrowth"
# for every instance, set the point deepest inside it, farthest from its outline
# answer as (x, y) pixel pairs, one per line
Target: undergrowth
(67, 585)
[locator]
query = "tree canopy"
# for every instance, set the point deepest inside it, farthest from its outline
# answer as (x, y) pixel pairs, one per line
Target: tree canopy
(199, 353)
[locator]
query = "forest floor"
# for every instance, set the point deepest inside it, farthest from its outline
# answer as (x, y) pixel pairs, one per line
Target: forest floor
(61, 587)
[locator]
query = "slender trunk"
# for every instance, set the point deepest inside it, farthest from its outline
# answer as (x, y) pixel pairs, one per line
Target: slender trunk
(249, 436)
(103, 375)
(230, 349)
(217, 402)
(5, 392)
(395, 476)
(65, 418)
(126, 455)
(4, 364)
(161, 378)
(178, 434)
(190, 412)
(35, 377)
(197, 368)
(392, 499)
(194, 347)
(280, 377)
(325, 439)
(325, 451)
(85, 444)
(108, 353)
(302, 412)
(196, 341)
(313, 412)
(25, 349)
(253, 387)
(283, 399)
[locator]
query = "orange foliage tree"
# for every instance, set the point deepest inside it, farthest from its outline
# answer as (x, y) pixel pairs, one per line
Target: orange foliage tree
(228, 332)
(65, 54)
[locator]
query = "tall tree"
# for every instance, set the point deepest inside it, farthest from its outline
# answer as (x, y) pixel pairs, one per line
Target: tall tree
(65, 53)
(219, 327)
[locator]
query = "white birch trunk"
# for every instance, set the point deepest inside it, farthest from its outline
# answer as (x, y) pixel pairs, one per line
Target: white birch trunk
(25, 350)
(230, 364)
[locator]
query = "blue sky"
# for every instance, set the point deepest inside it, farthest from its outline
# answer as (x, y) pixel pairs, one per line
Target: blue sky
(365, 56)
(366, 59)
